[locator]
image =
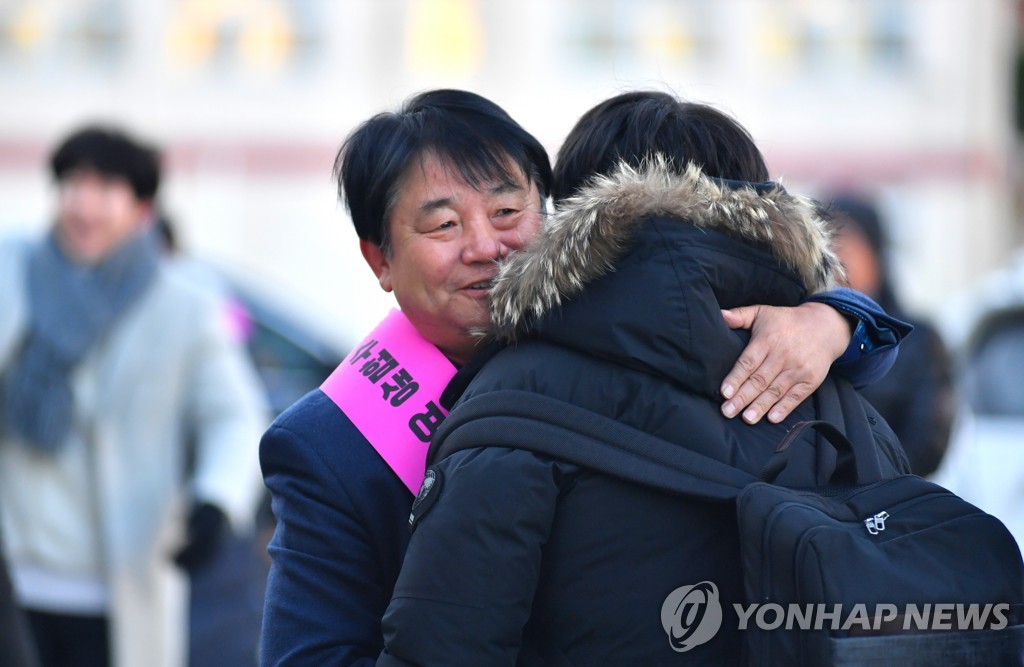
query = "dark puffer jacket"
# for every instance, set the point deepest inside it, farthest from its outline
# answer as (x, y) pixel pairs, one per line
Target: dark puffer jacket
(526, 560)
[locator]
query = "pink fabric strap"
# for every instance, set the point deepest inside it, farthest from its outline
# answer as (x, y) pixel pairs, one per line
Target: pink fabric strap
(390, 388)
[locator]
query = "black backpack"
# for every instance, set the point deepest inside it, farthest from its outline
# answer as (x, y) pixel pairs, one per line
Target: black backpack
(864, 570)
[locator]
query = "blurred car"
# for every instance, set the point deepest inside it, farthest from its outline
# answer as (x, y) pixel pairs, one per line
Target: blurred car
(226, 602)
(985, 463)
(289, 355)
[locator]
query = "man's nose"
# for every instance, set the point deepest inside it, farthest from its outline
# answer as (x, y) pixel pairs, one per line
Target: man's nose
(483, 243)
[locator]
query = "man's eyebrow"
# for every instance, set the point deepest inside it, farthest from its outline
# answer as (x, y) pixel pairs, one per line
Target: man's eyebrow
(435, 204)
(505, 187)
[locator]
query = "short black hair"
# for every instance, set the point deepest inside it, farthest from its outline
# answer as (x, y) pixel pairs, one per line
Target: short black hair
(111, 152)
(462, 129)
(633, 127)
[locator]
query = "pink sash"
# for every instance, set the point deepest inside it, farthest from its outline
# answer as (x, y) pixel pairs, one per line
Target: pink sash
(390, 388)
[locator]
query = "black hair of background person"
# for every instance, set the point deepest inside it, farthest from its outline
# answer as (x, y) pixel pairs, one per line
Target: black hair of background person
(630, 127)
(111, 152)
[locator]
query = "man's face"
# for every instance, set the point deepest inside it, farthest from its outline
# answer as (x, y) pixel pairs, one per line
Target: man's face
(445, 238)
(96, 214)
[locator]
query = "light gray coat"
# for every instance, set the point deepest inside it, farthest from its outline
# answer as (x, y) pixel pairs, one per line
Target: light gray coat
(169, 371)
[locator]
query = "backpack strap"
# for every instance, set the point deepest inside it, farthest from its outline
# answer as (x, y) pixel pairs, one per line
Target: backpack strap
(845, 471)
(545, 425)
(838, 403)
(526, 420)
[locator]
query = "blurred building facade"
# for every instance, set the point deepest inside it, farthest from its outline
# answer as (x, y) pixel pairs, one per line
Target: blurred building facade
(912, 100)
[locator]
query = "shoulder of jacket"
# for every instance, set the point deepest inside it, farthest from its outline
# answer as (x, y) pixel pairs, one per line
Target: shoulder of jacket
(499, 461)
(316, 427)
(311, 416)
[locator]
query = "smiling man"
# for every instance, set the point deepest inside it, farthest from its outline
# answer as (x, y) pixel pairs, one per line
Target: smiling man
(445, 235)
(439, 192)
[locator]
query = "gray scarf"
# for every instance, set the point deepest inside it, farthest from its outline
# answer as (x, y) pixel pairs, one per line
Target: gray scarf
(70, 308)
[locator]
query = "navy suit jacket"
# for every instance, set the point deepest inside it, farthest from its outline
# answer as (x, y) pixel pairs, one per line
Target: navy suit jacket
(341, 534)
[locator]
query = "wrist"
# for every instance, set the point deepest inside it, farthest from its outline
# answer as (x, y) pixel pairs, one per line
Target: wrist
(838, 325)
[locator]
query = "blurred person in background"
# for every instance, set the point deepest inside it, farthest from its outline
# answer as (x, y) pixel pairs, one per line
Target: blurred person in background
(111, 363)
(439, 191)
(917, 396)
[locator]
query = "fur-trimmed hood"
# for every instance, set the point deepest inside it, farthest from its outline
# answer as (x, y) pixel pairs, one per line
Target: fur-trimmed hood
(585, 238)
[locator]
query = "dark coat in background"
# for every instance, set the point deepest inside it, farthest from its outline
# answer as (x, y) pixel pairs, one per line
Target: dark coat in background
(917, 396)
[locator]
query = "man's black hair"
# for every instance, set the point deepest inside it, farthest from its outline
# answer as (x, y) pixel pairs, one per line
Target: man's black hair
(634, 126)
(110, 152)
(462, 129)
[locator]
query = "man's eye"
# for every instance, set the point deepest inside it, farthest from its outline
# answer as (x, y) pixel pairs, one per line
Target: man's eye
(506, 211)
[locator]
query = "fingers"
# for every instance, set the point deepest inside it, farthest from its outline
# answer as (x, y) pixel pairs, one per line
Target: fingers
(758, 392)
(750, 359)
(772, 393)
(777, 402)
(742, 378)
(742, 317)
(787, 358)
(785, 405)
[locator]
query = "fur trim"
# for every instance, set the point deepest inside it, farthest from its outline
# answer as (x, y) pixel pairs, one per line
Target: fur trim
(583, 241)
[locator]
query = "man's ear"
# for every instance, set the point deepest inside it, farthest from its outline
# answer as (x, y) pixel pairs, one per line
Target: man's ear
(378, 262)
